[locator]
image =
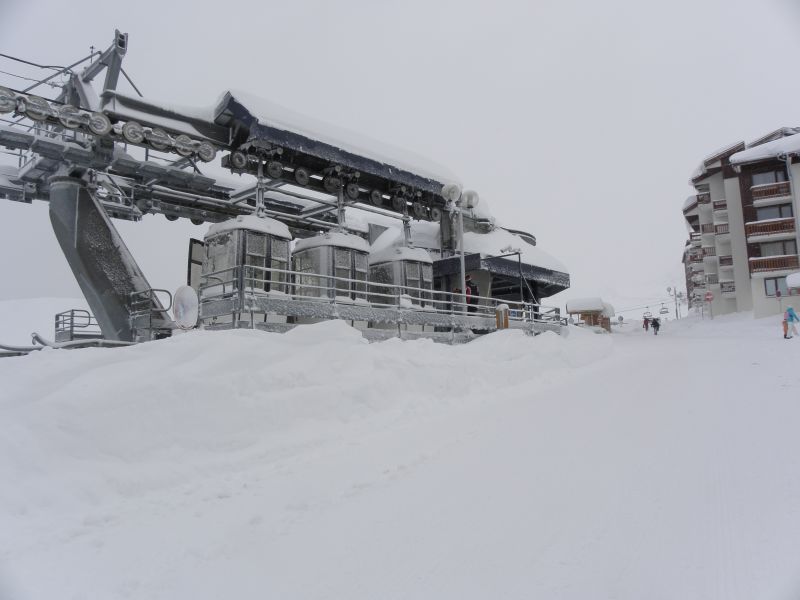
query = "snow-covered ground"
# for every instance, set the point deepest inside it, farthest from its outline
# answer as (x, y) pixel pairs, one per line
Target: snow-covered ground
(314, 465)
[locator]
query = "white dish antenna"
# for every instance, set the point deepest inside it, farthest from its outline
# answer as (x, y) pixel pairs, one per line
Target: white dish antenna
(185, 307)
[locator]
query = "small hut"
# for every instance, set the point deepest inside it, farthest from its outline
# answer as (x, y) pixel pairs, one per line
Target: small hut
(592, 311)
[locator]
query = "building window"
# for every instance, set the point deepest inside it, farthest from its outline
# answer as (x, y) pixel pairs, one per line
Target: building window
(769, 177)
(774, 284)
(783, 248)
(782, 211)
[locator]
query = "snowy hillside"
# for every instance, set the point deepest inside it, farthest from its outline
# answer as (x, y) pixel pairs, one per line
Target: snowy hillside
(314, 465)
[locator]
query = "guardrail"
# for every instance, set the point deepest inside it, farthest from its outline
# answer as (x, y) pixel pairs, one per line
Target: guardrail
(770, 227)
(771, 190)
(76, 324)
(288, 285)
(773, 263)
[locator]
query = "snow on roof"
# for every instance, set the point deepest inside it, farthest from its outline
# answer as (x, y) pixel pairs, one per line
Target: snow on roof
(494, 243)
(252, 223)
(579, 305)
(333, 238)
(395, 253)
(785, 145)
(690, 201)
(793, 280)
(273, 115)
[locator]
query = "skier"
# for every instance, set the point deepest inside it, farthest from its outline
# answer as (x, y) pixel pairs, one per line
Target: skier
(472, 293)
(789, 318)
(656, 325)
(646, 324)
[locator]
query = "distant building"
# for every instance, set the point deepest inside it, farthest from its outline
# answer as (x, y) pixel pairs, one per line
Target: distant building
(742, 227)
(593, 312)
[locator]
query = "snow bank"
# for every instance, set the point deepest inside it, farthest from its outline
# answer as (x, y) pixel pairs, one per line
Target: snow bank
(785, 145)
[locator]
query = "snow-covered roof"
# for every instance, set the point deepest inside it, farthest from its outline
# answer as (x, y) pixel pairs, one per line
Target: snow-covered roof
(493, 243)
(690, 201)
(333, 238)
(252, 223)
(279, 117)
(593, 304)
(395, 253)
(785, 145)
(793, 280)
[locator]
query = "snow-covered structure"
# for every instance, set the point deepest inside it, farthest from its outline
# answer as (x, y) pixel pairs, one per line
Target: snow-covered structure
(742, 229)
(593, 311)
(98, 154)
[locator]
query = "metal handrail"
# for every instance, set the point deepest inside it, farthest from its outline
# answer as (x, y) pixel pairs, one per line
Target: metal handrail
(431, 300)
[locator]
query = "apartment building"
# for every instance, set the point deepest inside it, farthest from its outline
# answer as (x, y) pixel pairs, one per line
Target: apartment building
(742, 229)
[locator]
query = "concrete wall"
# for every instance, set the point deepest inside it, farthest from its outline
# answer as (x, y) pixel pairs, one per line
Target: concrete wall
(741, 270)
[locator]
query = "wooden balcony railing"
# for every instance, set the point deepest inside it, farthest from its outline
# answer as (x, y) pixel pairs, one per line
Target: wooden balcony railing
(727, 287)
(707, 228)
(696, 257)
(721, 229)
(770, 226)
(712, 279)
(726, 261)
(704, 198)
(773, 263)
(720, 205)
(771, 190)
(709, 251)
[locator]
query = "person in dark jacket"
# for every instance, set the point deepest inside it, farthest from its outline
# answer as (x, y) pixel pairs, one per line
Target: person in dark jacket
(472, 294)
(655, 323)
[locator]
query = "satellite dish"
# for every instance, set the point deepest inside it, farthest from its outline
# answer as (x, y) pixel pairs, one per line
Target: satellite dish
(470, 199)
(185, 305)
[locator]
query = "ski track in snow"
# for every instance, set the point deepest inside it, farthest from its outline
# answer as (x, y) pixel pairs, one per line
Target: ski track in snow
(314, 465)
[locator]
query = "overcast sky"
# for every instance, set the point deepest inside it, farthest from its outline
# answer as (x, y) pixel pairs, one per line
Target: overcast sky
(577, 121)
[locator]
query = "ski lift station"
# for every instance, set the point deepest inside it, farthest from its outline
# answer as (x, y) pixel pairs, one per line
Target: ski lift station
(328, 226)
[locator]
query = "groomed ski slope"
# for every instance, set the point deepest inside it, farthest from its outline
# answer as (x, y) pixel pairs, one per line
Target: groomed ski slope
(313, 465)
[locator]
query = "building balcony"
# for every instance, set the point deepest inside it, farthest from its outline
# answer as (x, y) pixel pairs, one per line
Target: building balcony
(769, 229)
(704, 198)
(707, 228)
(712, 279)
(720, 205)
(771, 190)
(709, 251)
(727, 288)
(694, 237)
(726, 261)
(722, 229)
(772, 264)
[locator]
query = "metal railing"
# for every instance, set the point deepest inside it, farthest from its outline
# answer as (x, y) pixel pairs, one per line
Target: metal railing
(709, 251)
(722, 229)
(74, 324)
(720, 205)
(707, 228)
(712, 279)
(771, 190)
(329, 289)
(773, 263)
(770, 227)
(727, 287)
(147, 315)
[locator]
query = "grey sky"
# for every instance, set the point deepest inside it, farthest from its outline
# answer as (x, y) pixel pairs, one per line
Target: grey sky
(578, 121)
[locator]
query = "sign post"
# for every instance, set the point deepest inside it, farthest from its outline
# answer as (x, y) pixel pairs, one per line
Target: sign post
(708, 298)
